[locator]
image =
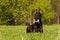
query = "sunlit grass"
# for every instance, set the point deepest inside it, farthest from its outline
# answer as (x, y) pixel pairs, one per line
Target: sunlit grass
(19, 33)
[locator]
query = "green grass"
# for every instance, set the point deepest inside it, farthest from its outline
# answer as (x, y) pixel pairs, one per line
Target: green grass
(19, 33)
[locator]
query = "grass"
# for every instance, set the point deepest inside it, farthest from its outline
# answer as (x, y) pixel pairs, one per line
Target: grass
(19, 33)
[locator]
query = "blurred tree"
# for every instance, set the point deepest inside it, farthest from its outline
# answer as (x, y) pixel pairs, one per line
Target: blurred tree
(56, 7)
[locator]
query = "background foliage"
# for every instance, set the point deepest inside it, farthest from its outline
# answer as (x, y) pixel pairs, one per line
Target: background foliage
(21, 11)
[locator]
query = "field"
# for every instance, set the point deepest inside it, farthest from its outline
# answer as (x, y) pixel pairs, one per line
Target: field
(19, 33)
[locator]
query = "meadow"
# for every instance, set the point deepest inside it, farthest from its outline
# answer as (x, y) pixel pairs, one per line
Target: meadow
(19, 33)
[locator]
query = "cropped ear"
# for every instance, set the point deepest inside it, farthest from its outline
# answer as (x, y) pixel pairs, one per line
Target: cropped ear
(41, 12)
